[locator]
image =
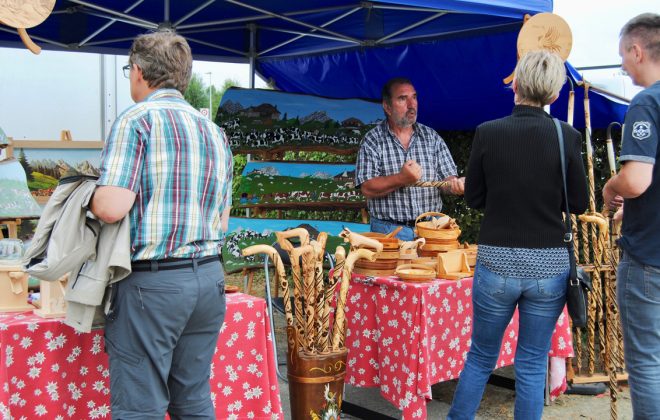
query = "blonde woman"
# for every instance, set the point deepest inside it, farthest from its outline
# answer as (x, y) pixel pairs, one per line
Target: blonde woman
(514, 175)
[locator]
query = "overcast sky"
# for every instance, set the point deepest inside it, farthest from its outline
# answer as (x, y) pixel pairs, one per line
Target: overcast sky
(595, 25)
(36, 107)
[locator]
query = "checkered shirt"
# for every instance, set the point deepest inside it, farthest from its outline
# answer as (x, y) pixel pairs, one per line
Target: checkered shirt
(180, 166)
(381, 154)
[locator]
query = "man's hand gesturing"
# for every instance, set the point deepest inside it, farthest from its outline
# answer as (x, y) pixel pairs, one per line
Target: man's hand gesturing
(410, 172)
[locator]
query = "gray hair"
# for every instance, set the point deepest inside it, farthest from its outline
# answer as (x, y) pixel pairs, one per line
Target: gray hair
(539, 77)
(165, 59)
(645, 29)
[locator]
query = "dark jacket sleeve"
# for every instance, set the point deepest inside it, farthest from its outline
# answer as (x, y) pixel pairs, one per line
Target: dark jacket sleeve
(475, 182)
(576, 179)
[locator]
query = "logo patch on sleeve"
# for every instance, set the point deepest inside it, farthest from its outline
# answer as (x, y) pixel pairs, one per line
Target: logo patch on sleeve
(641, 130)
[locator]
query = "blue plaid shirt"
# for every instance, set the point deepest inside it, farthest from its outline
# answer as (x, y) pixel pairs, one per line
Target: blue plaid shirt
(179, 164)
(381, 154)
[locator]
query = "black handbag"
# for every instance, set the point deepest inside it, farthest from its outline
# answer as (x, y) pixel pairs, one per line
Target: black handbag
(579, 281)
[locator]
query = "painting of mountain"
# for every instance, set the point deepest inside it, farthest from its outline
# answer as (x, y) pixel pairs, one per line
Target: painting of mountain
(282, 183)
(45, 166)
(262, 120)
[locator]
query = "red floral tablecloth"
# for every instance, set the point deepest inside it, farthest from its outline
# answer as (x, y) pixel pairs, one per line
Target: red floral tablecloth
(404, 337)
(49, 371)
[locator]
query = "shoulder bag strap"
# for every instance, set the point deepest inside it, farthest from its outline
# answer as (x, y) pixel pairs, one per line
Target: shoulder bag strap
(560, 136)
(568, 236)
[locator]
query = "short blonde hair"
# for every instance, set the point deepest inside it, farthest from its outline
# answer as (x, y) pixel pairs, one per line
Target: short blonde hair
(539, 77)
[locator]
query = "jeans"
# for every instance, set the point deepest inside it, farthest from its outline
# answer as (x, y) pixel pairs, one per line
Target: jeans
(383, 226)
(494, 299)
(638, 296)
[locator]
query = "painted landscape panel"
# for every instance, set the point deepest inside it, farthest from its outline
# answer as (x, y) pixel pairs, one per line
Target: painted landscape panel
(16, 201)
(262, 120)
(287, 182)
(44, 167)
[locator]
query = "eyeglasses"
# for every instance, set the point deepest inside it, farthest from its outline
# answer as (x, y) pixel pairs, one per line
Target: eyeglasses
(127, 71)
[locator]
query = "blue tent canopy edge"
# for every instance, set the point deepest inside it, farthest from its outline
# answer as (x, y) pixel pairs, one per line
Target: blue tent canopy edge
(456, 52)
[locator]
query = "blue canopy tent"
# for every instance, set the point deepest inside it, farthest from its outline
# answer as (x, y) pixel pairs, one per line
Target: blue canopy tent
(456, 52)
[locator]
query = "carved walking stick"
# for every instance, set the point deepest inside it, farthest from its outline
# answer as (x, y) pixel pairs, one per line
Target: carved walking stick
(340, 257)
(612, 249)
(309, 296)
(319, 299)
(279, 273)
(595, 309)
(294, 256)
(431, 184)
(356, 240)
(299, 277)
(338, 329)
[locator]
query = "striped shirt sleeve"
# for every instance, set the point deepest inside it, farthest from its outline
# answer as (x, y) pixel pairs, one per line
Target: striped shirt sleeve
(122, 156)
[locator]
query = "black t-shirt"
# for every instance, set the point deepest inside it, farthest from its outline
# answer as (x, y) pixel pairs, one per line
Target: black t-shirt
(641, 215)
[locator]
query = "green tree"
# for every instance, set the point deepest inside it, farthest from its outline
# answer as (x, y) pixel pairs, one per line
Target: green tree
(228, 83)
(197, 92)
(22, 159)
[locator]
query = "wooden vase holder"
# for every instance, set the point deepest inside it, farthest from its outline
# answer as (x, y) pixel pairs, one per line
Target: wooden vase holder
(453, 265)
(14, 289)
(309, 374)
(471, 253)
(52, 300)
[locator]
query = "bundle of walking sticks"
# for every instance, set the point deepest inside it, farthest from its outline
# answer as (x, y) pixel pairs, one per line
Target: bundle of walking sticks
(308, 320)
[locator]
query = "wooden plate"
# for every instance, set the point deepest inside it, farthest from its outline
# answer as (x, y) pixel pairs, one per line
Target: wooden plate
(231, 289)
(26, 13)
(386, 264)
(545, 31)
(381, 272)
(415, 272)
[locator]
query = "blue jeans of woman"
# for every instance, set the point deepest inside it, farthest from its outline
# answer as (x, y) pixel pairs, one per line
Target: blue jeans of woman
(638, 295)
(384, 226)
(494, 299)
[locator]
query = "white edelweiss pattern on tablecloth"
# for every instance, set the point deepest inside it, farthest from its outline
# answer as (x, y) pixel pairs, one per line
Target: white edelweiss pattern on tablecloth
(50, 371)
(404, 337)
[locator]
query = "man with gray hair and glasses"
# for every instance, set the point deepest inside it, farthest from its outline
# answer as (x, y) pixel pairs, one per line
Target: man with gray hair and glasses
(170, 170)
(638, 182)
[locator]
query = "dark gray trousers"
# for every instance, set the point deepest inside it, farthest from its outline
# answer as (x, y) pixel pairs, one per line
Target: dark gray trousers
(160, 335)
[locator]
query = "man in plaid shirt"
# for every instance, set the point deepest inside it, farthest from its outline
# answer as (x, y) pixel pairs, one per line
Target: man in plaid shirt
(169, 169)
(396, 154)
